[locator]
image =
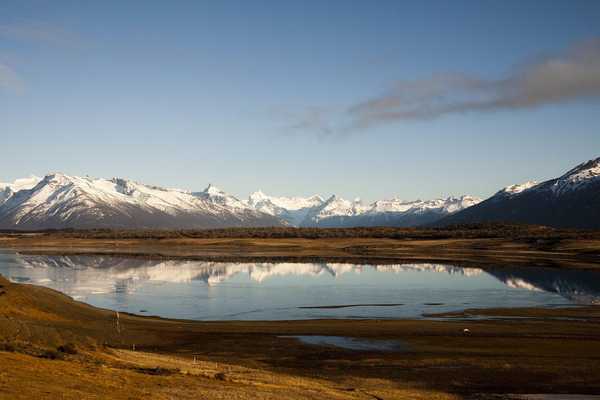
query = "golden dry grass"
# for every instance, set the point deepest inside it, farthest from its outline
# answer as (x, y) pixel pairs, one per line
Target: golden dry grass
(248, 360)
(566, 253)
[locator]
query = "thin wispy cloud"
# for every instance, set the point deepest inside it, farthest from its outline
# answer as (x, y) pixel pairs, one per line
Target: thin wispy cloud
(40, 32)
(36, 32)
(312, 119)
(573, 74)
(9, 80)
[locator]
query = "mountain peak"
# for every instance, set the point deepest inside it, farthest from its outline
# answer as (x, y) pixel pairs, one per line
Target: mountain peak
(258, 196)
(213, 190)
(578, 177)
(59, 178)
(586, 170)
(517, 188)
(54, 176)
(570, 201)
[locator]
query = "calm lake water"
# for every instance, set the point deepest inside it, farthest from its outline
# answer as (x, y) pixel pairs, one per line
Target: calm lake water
(277, 291)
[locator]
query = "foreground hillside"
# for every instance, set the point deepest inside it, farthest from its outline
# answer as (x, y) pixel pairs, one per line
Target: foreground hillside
(53, 347)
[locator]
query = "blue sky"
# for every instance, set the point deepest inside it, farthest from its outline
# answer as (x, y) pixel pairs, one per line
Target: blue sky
(263, 94)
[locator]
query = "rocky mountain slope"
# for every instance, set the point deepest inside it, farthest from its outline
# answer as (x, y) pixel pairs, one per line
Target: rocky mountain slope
(569, 201)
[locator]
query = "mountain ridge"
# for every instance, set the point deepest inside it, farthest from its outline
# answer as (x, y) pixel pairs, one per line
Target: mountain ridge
(334, 211)
(570, 201)
(59, 201)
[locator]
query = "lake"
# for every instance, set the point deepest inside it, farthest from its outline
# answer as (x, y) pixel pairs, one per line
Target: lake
(278, 291)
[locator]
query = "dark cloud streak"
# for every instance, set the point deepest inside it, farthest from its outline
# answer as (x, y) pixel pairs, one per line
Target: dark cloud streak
(571, 75)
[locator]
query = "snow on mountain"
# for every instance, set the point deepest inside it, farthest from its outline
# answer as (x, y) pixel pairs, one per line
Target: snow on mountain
(452, 205)
(293, 210)
(335, 208)
(8, 189)
(576, 178)
(22, 183)
(569, 201)
(61, 201)
(580, 176)
(260, 200)
(448, 205)
(216, 196)
(5, 193)
(517, 188)
(339, 212)
(394, 212)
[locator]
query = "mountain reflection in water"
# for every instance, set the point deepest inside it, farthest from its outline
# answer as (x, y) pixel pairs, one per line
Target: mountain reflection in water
(217, 290)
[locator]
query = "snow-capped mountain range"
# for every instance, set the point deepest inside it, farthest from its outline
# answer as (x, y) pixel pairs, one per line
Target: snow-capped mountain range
(571, 200)
(59, 201)
(293, 210)
(62, 201)
(314, 211)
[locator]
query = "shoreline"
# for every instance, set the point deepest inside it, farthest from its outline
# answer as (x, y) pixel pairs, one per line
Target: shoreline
(123, 356)
(517, 350)
(564, 253)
